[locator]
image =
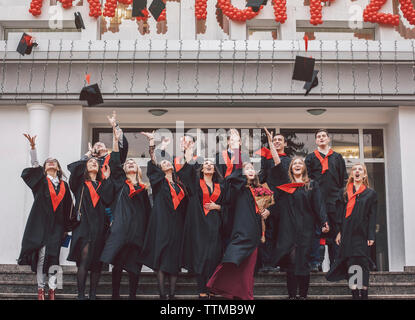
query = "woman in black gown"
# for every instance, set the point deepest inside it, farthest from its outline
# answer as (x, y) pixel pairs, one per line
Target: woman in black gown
(203, 244)
(48, 219)
(357, 231)
(131, 211)
(300, 209)
(164, 237)
(93, 193)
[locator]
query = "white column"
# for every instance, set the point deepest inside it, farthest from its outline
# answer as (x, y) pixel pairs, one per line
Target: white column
(407, 134)
(39, 124)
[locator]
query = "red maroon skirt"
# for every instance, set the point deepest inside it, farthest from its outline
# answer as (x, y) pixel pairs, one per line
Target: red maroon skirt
(231, 281)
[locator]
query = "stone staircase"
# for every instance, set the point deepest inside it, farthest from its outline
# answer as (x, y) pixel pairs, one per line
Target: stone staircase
(18, 282)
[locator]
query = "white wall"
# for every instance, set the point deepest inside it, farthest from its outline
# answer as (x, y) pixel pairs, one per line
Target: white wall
(395, 217)
(407, 154)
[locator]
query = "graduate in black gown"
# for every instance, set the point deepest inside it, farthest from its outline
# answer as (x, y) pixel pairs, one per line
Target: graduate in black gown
(234, 277)
(328, 169)
(301, 209)
(131, 211)
(100, 152)
(226, 162)
(357, 231)
(203, 243)
(93, 193)
(48, 220)
(267, 162)
(164, 237)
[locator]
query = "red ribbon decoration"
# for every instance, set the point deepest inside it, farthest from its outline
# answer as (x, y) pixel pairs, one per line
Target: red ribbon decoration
(236, 14)
(280, 10)
(371, 14)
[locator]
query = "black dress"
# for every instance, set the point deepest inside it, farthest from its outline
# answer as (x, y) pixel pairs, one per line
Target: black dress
(164, 236)
(356, 230)
(203, 245)
(299, 214)
(45, 226)
(94, 223)
(128, 228)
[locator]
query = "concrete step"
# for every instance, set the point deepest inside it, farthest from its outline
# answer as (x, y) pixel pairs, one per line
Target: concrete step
(61, 296)
(189, 288)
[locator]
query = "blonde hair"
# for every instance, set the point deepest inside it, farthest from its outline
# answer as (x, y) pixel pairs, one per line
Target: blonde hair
(304, 174)
(139, 173)
(351, 179)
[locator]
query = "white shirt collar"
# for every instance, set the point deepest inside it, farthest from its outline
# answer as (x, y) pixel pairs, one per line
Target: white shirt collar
(55, 180)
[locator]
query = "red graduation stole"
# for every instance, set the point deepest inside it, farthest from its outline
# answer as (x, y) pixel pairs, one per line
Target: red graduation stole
(291, 187)
(56, 198)
(229, 162)
(209, 198)
(177, 163)
(352, 197)
(324, 162)
(92, 192)
(266, 153)
(133, 191)
(106, 161)
(177, 198)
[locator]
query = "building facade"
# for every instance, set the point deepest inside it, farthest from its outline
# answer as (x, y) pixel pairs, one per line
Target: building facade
(217, 75)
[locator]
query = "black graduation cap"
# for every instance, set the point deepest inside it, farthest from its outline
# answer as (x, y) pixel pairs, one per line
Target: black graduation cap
(26, 44)
(156, 8)
(79, 22)
(92, 94)
(303, 68)
(311, 84)
(256, 4)
(138, 6)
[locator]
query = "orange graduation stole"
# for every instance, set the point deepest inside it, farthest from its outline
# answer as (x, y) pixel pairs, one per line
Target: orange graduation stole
(209, 198)
(177, 163)
(56, 198)
(324, 162)
(291, 187)
(229, 162)
(352, 197)
(133, 191)
(106, 161)
(92, 192)
(177, 198)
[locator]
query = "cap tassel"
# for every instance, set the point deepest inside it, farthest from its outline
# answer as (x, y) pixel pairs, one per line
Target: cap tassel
(88, 78)
(306, 42)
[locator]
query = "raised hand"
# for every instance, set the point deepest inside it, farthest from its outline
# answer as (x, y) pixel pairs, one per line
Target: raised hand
(149, 135)
(32, 140)
(113, 119)
(370, 242)
(90, 150)
(106, 171)
(269, 136)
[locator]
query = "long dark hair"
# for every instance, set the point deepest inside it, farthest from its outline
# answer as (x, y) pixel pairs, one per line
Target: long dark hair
(59, 173)
(255, 182)
(216, 178)
(86, 173)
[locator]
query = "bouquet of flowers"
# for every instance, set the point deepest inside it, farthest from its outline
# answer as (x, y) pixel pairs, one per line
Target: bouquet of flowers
(264, 199)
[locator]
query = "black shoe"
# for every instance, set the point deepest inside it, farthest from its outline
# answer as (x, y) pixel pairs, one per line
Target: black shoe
(172, 297)
(320, 268)
(364, 294)
(116, 297)
(292, 298)
(81, 297)
(163, 297)
(355, 294)
(314, 268)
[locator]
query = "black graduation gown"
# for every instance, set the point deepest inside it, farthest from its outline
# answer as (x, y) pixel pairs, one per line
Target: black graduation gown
(356, 230)
(203, 245)
(94, 223)
(300, 213)
(44, 227)
(247, 227)
(227, 209)
(164, 236)
(331, 184)
(127, 232)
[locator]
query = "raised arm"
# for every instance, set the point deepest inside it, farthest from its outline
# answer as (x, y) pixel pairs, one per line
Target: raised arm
(122, 143)
(32, 176)
(274, 152)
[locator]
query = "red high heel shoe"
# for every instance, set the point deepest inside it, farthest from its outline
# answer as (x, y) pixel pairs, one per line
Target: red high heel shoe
(41, 294)
(51, 294)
